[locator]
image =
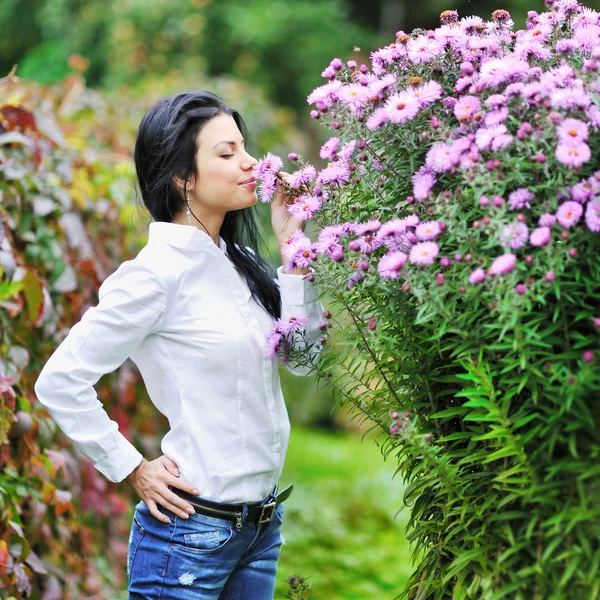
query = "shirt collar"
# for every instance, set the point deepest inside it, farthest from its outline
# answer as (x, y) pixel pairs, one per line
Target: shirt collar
(182, 236)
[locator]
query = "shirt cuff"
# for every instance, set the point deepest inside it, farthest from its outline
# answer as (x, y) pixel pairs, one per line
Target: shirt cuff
(295, 288)
(121, 461)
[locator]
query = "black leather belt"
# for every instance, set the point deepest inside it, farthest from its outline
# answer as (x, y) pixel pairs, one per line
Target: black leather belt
(257, 513)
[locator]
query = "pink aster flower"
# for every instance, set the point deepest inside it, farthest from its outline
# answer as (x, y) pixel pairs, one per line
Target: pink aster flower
(442, 157)
(484, 138)
(520, 199)
(540, 236)
(267, 187)
(297, 241)
(424, 253)
(569, 213)
(428, 93)
(547, 220)
(466, 107)
(514, 235)
(428, 231)
(269, 164)
(572, 131)
(369, 243)
(573, 155)
(305, 207)
(301, 177)
(368, 227)
(477, 276)
(423, 181)
(293, 324)
(496, 117)
(401, 107)
(424, 49)
(329, 148)
(353, 94)
(390, 264)
(592, 215)
(325, 93)
(377, 119)
(273, 344)
(503, 264)
(334, 173)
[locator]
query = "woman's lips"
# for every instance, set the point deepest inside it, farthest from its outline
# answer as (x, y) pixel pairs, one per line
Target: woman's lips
(250, 183)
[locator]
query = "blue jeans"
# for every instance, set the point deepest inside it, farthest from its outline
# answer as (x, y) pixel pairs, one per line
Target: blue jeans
(201, 557)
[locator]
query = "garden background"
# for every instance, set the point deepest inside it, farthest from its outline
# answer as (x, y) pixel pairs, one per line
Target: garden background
(87, 70)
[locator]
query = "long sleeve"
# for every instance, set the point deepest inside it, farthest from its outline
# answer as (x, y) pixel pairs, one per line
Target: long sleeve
(298, 295)
(132, 303)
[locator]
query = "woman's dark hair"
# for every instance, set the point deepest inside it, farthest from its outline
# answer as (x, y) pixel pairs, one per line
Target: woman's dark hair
(165, 149)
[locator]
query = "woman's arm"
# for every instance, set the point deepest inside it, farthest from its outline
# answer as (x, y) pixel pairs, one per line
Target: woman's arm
(300, 296)
(132, 303)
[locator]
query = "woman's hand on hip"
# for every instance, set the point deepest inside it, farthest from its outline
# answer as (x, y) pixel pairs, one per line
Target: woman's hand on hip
(151, 481)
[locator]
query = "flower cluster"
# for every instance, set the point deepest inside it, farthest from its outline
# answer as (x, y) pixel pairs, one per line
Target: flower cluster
(282, 340)
(523, 98)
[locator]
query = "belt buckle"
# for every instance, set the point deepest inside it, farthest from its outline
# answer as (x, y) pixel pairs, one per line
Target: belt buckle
(269, 509)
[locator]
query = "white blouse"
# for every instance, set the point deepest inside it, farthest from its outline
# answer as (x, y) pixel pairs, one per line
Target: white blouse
(186, 318)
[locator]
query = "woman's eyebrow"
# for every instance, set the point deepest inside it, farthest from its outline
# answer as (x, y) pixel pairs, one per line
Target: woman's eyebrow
(227, 142)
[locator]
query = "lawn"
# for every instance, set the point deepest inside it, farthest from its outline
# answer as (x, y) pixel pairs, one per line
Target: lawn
(338, 527)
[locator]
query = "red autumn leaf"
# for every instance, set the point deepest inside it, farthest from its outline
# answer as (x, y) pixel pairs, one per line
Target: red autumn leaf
(15, 117)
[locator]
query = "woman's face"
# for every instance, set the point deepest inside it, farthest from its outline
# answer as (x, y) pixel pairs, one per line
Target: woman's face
(224, 181)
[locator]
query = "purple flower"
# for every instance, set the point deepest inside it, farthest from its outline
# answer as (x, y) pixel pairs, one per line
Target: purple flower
(377, 119)
(573, 155)
(428, 93)
(269, 164)
(369, 243)
(329, 148)
(368, 227)
(424, 49)
(503, 264)
(494, 138)
(334, 174)
(442, 157)
(466, 107)
(572, 131)
(514, 235)
(401, 107)
(390, 264)
(428, 231)
(520, 199)
(293, 324)
(547, 220)
(305, 207)
(540, 236)
(477, 276)
(267, 187)
(424, 253)
(423, 181)
(301, 177)
(569, 213)
(273, 342)
(592, 215)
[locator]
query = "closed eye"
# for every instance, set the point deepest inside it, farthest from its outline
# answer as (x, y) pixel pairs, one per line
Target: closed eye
(226, 155)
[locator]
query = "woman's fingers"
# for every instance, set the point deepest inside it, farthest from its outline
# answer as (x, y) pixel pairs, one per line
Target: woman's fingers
(153, 508)
(178, 506)
(170, 465)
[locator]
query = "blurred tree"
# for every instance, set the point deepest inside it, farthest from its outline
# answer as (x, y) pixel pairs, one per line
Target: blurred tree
(275, 44)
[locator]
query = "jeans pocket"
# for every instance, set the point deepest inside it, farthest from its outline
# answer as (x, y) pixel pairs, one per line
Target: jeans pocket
(202, 538)
(135, 537)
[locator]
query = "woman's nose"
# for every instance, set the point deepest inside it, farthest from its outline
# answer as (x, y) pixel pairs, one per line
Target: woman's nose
(249, 162)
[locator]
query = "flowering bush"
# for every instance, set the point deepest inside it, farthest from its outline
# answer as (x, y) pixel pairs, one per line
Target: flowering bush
(459, 217)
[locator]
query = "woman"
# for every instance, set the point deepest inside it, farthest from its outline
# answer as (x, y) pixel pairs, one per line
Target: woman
(192, 310)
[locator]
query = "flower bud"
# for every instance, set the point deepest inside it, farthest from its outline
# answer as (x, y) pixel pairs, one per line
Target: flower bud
(588, 356)
(520, 288)
(315, 114)
(440, 279)
(293, 156)
(572, 252)
(550, 276)
(498, 201)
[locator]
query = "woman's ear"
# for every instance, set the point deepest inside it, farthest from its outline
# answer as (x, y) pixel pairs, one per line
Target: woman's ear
(179, 184)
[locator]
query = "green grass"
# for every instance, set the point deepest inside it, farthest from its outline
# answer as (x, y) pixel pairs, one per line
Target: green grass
(338, 526)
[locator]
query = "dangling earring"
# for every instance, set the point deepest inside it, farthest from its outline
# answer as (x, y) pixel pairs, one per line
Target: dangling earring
(188, 212)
